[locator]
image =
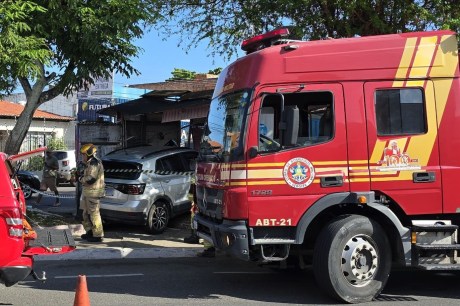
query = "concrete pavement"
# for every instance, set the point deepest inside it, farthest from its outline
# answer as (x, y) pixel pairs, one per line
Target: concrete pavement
(120, 241)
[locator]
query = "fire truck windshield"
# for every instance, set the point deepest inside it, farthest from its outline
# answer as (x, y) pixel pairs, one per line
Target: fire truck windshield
(223, 134)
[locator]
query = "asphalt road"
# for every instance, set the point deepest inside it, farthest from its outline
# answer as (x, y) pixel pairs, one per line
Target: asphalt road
(218, 281)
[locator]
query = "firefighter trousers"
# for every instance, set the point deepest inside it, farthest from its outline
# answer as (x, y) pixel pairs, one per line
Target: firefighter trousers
(91, 215)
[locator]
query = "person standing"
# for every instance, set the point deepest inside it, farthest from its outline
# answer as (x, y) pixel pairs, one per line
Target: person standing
(93, 189)
(193, 238)
(50, 173)
(209, 250)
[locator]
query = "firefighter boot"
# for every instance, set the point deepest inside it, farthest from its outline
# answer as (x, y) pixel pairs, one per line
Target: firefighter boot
(192, 239)
(89, 234)
(95, 239)
(208, 253)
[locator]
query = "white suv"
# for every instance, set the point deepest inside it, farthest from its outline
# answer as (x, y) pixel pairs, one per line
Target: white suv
(146, 186)
(67, 162)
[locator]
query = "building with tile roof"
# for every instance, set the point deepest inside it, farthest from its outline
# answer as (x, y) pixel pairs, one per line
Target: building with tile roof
(44, 126)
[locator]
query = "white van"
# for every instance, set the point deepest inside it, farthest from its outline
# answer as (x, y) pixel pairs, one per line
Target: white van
(67, 162)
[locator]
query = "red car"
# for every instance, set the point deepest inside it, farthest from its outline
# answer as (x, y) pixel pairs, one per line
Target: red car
(18, 240)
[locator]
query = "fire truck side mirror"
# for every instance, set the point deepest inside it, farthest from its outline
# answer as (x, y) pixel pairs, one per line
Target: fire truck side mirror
(291, 125)
(252, 152)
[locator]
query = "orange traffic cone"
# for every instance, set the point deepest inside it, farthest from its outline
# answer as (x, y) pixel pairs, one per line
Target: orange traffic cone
(81, 293)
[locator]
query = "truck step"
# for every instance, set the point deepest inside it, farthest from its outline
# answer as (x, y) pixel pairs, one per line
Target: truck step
(438, 247)
(435, 228)
(446, 267)
(53, 238)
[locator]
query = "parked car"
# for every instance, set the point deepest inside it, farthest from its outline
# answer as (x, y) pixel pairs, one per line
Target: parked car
(67, 163)
(19, 242)
(146, 186)
(27, 180)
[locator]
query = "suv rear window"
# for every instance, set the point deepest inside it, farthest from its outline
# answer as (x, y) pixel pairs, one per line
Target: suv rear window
(60, 155)
(120, 169)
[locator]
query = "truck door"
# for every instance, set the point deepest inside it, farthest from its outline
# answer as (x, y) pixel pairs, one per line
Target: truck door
(403, 144)
(284, 181)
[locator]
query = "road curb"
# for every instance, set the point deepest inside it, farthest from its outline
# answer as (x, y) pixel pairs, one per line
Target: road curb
(121, 253)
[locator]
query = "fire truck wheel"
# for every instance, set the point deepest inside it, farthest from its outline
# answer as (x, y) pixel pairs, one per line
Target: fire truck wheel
(352, 259)
(158, 218)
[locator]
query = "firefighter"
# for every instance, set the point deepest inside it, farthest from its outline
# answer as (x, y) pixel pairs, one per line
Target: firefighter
(193, 238)
(93, 189)
(209, 250)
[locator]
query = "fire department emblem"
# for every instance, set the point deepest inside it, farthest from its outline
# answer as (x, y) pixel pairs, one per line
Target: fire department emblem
(298, 172)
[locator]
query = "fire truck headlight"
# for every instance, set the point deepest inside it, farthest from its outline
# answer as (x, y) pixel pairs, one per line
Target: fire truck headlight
(227, 239)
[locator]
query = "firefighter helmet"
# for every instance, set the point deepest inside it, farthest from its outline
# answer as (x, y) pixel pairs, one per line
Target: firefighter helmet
(89, 149)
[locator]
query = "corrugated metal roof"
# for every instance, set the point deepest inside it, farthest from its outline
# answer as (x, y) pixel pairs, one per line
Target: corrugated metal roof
(175, 99)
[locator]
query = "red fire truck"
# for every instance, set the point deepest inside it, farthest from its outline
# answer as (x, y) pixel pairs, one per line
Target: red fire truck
(342, 152)
(19, 242)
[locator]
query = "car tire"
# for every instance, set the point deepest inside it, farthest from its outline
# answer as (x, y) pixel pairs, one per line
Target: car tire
(158, 217)
(352, 259)
(26, 191)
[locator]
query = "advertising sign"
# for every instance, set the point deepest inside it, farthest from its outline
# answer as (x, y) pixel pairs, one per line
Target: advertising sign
(87, 110)
(102, 88)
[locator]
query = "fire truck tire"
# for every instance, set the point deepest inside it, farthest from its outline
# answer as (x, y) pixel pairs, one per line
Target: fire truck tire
(158, 218)
(352, 259)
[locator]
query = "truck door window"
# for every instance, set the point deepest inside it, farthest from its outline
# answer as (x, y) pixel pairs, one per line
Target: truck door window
(400, 111)
(316, 119)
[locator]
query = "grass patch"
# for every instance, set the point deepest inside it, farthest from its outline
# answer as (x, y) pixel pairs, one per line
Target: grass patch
(41, 218)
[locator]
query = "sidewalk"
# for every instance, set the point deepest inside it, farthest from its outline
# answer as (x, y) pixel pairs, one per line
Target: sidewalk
(123, 245)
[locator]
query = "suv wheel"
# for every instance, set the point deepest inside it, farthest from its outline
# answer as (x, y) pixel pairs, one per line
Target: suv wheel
(158, 218)
(26, 191)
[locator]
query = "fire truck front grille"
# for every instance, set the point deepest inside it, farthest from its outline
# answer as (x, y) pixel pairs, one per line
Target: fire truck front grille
(210, 201)
(281, 232)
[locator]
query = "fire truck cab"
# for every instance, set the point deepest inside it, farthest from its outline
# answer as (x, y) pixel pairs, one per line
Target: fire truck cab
(341, 151)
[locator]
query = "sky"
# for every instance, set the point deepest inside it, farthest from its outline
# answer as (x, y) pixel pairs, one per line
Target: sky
(159, 59)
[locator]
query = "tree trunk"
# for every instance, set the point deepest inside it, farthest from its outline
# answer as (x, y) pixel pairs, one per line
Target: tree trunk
(19, 132)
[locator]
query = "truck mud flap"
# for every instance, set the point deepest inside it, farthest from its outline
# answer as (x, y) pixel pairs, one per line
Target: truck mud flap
(50, 242)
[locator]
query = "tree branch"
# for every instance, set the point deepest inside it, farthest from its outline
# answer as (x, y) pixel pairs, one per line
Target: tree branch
(25, 86)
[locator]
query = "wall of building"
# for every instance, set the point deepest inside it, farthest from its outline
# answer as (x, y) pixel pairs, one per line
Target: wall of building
(39, 132)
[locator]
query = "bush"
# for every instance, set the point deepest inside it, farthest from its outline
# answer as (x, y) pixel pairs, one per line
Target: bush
(35, 163)
(56, 144)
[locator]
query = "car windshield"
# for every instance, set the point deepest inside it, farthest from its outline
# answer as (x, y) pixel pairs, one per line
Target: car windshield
(222, 137)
